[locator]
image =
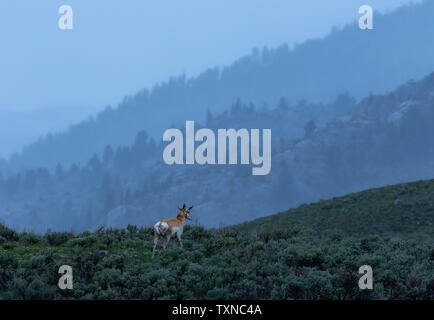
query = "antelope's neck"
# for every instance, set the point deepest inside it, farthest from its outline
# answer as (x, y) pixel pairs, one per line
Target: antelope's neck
(181, 218)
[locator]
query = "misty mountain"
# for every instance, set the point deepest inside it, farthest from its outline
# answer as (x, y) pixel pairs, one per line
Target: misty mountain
(383, 139)
(20, 127)
(348, 60)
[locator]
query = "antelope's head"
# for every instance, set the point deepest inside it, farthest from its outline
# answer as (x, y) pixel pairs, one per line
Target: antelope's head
(185, 212)
(188, 214)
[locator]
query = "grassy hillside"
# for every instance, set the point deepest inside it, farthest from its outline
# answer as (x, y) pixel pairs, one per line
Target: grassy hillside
(404, 211)
(312, 252)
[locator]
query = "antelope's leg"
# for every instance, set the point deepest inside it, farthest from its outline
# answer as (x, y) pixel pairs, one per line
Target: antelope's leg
(179, 239)
(166, 241)
(155, 243)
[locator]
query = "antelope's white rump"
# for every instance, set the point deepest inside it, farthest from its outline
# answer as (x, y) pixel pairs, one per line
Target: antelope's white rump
(160, 228)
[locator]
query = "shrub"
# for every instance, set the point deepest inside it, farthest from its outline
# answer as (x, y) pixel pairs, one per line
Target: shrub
(8, 234)
(56, 238)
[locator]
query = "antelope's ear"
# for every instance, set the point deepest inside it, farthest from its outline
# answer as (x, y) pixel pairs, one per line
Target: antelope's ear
(179, 208)
(183, 207)
(190, 208)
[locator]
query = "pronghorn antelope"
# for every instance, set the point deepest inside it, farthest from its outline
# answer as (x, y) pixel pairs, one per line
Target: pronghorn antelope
(171, 227)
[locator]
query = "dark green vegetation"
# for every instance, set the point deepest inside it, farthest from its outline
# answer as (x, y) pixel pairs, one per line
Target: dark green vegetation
(312, 252)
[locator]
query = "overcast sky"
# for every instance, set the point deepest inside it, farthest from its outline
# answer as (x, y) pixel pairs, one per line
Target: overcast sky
(119, 47)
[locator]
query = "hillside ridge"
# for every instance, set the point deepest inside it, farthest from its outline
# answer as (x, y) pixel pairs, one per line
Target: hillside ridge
(405, 208)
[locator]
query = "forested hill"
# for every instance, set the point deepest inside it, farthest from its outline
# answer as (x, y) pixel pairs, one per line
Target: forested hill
(353, 60)
(311, 252)
(384, 139)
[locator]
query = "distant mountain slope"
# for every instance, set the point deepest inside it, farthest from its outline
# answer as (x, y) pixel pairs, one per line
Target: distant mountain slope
(312, 252)
(384, 139)
(21, 127)
(353, 60)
